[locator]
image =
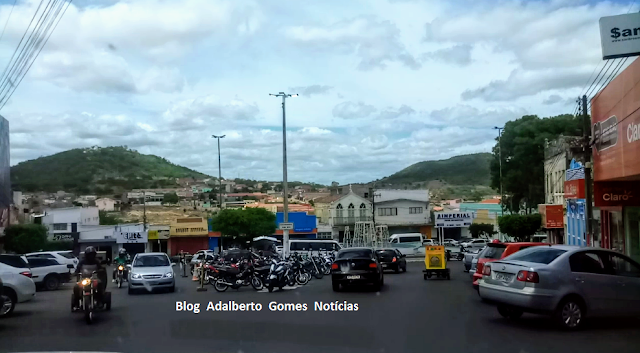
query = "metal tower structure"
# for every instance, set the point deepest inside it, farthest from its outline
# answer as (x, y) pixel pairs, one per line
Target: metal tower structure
(347, 239)
(382, 235)
(365, 234)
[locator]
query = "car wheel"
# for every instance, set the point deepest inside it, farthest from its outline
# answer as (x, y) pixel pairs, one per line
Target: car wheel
(336, 286)
(570, 313)
(51, 282)
(509, 312)
(9, 302)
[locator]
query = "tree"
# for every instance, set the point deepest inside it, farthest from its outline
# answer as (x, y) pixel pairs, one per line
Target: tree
(25, 238)
(242, 225)
(520, 227)
(170, 198)
(522, 142)
(479, 230)
(108, 220)
(313, 204)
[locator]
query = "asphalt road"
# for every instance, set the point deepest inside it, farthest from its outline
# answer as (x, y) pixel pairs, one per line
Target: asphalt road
(408, 315)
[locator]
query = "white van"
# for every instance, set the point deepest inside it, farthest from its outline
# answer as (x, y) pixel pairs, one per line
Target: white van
(314, 245)
(417, 238)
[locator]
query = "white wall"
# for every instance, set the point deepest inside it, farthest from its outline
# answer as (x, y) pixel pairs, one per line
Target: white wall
(346, 201)
(554, 177)
(383, 195)
(403, 217)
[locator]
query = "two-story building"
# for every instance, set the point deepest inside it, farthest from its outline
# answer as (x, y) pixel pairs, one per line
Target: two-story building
(189, 235)
(339, 211)
(403, 211)
(65, 223)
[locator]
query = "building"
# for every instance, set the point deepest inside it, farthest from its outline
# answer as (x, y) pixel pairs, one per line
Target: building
(574, 194)
(362, 190)
(557, 157)
(106, 204)
(340, 211)
(615, 118)
(403, 211)
(159, 238)
(112, 238)
(485, 212)
(304, 225)
(5, 176)
(189, 235)
(64, 224)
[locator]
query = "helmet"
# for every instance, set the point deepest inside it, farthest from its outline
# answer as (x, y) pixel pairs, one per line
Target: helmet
(90, 252)
(122, 251)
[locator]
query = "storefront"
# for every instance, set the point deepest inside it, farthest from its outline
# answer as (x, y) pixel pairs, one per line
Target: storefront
(616, 162)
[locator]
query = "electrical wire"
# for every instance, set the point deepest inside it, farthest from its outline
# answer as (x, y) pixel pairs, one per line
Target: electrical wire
(611, 77)
(610, 63)
(8, 18)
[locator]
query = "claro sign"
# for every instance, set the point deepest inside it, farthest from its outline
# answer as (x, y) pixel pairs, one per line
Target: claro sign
(617, 193)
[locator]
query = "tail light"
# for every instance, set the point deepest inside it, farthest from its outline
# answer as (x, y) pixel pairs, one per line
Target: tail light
(486, 271)
(334, 266)
(528, 276)
(480, 268)
(26, 273)
(373, 265)
(394, 260)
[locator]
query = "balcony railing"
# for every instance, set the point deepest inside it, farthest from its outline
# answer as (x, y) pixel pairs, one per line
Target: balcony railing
(344, 221)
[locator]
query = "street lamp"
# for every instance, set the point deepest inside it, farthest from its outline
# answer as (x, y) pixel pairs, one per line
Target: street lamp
(285, 232)
(219, 169)
(500, 158)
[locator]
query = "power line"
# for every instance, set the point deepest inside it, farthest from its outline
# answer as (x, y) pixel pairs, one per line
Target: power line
(590, 90)
(611, 77)
(9, 17)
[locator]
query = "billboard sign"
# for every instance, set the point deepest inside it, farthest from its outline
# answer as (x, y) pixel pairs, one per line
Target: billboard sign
(131, 237)
(616, 127)
(574, 189)
(454, 219)
(620, 36)
(616, 193)
(552, 216)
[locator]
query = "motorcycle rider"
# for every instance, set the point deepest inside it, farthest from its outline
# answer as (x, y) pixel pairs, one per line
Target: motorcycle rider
(122, 259)
(90, 263)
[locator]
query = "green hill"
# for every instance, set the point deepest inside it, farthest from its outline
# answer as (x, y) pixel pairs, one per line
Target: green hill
(470, 169)
(97, 170)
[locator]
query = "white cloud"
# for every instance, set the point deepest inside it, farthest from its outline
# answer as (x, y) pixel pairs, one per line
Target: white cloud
(308, 91)
(457, 55)
(353, 110)
(200, 112)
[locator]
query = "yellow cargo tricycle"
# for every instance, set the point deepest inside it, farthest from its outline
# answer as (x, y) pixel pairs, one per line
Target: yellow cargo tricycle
(435, 262)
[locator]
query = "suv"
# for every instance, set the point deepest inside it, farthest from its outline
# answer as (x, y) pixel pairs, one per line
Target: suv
(63, 257)
(475, 244)
(17, 285)
(496, 251)
(49, 273)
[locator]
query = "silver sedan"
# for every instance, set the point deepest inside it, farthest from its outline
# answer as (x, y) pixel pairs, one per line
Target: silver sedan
(150, 271)
(565, 282)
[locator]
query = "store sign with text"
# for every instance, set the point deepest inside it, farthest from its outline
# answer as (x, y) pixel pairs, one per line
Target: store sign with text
(574, 189)
(616, 193)
(131, 237)
(552, 216)
(454, 219)
(620, 36)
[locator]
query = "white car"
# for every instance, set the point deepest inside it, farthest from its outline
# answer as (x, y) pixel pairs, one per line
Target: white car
(18, 287)
(63, 257)
(49, 273)
(475, 244)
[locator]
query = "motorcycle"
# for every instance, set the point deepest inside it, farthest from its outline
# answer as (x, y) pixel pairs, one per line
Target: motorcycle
(280, 275)
(120, 277)
(299, 273)
(236, 276)
(88, 283)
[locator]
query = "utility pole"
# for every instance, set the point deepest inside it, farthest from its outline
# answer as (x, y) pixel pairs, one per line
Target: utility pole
(587, 172)
(500, 158)
(285, 192)
(144, 210)
(219, 170)
(372, 193)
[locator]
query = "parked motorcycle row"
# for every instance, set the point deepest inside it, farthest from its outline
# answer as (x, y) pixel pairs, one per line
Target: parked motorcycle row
(266, 272)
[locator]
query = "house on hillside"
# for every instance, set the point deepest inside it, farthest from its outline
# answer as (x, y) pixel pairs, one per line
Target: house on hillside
(106, 204)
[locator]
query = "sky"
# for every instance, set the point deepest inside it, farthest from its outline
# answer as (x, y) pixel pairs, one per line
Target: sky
(382, 84)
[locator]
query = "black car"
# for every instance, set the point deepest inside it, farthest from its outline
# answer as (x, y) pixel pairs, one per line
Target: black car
(392, 259)
(354, 266)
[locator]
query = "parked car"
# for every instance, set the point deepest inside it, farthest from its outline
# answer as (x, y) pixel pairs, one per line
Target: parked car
(496, 251)
(565, 282)
(475, 244)
(392, 259)
(48, 272)
(17, 285)
(151, 271)
(63, 257)
(469, 256)
(356, 266)
(451, 242)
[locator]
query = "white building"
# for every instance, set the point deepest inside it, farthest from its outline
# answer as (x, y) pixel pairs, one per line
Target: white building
(63, 223)
(403, 211)
(104, 238)
(106, 204)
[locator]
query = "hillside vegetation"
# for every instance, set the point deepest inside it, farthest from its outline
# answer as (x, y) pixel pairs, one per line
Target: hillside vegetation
(470, 169)
(97, 170)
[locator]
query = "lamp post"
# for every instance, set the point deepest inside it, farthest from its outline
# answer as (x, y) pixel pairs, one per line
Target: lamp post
(285, 232)
(219, 169)
(500, 162)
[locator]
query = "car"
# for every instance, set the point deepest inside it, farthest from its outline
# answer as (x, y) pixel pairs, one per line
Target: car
(48, 273)
(151, 271)
(568, 283)
(475, 243)
(392, 259)
(63, 257)
(469, 257)
(354, 266)
(496, 251)
(451, 242)
(17, 285)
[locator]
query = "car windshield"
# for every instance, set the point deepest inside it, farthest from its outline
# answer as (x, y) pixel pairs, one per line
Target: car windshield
(68, 255)
(151, 261)
(354, 253)
(493, 251)
(539, 255)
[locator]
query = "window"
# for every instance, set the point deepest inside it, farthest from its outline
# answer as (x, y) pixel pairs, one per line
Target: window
(59, 226)
(39, 262)
(299, 246)
(537, 254)
(346, 254)
(387, 212)
(363, 210)
(493, 252)
(585, 262)
(412, 239)
(351, 211)
(13, 261)
(67, 255)
(152, 261)
(415, 210)
(40, 256)
(366, 195)
(339, 211)
(623, 266)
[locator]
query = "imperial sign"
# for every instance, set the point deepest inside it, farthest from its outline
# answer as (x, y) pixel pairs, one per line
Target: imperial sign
(454, 219)
(131, 237)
